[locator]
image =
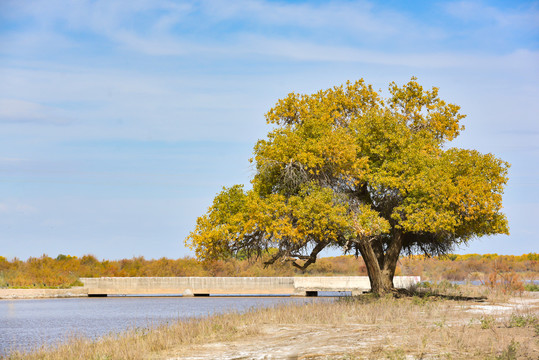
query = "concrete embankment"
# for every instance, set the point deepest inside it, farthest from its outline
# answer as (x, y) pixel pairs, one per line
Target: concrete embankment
(42, 293)
(205, 286)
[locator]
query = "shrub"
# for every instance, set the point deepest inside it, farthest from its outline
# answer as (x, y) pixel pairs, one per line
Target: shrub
(531, 287)
(522, 320)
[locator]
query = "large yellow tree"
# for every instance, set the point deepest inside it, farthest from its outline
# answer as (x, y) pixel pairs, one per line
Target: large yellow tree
(345, 168)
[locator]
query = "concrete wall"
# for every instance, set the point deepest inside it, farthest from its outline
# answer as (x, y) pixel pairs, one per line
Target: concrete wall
(188, 286)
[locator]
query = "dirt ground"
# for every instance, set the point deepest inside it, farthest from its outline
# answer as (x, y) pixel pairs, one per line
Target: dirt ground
(468, 331)
(10, 294)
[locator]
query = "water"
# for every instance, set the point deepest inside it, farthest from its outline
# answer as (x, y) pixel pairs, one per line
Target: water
(25, 324)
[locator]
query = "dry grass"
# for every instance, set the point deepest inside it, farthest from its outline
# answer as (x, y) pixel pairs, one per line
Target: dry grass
(373, 328)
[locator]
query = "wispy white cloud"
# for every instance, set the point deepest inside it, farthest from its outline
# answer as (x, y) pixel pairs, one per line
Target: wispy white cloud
(31, 41)
(135, 24)
(15, 207)
(4, 160)
(359, 16)
(511, 16)
(167, 26)
(489, 27)
(193, 27)
(155, 45)
(309, 51)
(20, 111)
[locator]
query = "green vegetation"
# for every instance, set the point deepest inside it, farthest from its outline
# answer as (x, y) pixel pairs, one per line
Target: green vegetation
(531, 287)
(487, 321)
(518, 320)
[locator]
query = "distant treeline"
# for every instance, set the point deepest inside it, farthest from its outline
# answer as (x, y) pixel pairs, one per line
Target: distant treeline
(65, 271)
(470, 266)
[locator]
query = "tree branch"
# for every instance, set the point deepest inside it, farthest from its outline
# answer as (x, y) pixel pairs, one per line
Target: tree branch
(311, 259)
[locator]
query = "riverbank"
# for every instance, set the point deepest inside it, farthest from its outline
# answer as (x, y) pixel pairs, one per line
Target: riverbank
(386, 329)
(363, 327)
(12, 294)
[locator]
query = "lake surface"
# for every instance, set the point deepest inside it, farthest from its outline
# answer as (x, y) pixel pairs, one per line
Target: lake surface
(25, 324)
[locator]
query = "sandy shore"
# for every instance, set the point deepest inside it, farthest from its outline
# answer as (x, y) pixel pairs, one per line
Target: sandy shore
(11, 294)
(351, 340)
(429, 327)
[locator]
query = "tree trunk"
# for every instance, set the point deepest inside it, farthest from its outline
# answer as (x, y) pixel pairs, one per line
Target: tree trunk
(381, 267)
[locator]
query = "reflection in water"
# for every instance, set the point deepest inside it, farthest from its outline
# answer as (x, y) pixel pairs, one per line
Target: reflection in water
(25, 324)
(10, 310)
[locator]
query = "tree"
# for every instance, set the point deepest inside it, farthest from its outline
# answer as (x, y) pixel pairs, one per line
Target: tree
(346, 168)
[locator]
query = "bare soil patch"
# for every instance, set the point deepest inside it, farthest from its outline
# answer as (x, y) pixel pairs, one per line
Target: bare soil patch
(11, 294)
(438, 329)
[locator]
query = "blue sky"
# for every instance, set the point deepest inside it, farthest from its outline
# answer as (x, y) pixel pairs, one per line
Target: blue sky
(120, 120)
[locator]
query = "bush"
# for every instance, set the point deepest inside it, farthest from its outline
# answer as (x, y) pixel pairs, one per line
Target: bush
(522, 320)
(531, 287)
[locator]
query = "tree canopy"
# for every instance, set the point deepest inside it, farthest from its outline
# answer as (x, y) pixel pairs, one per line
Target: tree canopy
(346, 168)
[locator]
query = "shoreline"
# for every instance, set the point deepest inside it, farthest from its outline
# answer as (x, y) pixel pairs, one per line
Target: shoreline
(354, 328)
(19, 294)
(79, 292)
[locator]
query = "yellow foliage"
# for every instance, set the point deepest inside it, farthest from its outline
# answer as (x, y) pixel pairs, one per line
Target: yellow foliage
(64, 272)
(343, 166)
